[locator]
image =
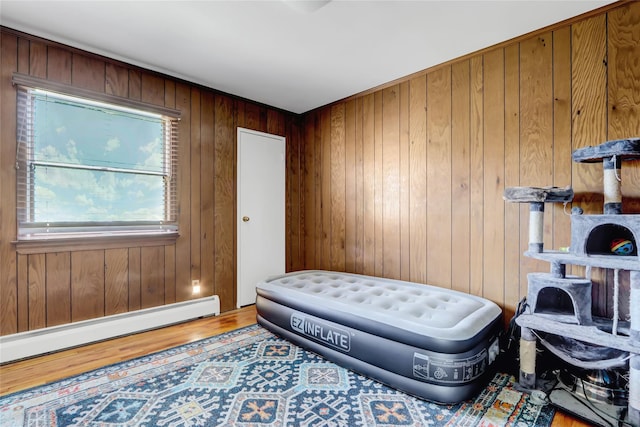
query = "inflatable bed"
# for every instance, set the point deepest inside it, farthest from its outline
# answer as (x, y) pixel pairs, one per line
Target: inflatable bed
(434, 343)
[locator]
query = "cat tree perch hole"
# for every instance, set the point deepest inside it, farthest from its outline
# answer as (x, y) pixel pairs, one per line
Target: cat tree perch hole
(595, 234)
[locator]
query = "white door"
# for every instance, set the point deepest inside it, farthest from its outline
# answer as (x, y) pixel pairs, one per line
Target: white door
(261, 210)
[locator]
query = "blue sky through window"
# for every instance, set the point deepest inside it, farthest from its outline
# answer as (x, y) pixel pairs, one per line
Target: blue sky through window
(129, 147)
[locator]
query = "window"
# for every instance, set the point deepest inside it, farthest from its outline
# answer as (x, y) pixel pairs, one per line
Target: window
(90, 167)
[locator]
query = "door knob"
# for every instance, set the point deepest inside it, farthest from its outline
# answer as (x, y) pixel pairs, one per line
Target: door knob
(245, 218)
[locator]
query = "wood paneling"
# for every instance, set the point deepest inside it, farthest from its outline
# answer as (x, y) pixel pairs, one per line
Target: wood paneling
(438, 212)
(252, 116)
(561, 236)
(36, 290)
(378, 191)
(337, 187)
(207, 196)
(536, 132)
(117, 80)
(169, 274)
(224, 183)
(116, 271)
(404, 190)
(37, 59)
(58, 65)
(417, 179)
(58, 285)
(509, 116)
(368, 185)
(308, 192)
(513, 247)
(325, 189)
(589, 108)
(390, 182)
(460, 175)
(351, 203)
(9, 293)
(23, 55)
(152, 280)
(195, 183)
(135, 279)
(87, 285)
(88, 72)
(22, 302)
(494, 176)
(47, 288)
(623, 83)
(152, 89)
(359, 177)
(135, 84)
(183, 244)
(476, 188)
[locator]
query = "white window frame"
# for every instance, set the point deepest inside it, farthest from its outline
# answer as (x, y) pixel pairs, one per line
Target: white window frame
(29, 231)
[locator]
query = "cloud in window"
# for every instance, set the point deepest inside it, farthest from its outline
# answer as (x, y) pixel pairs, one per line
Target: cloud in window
(107, 187)
(112, 145)
(43, 193)
(145, 213)
(154, 160)
(50, 152)
(72, 151)
(83, 200)
(137, 194)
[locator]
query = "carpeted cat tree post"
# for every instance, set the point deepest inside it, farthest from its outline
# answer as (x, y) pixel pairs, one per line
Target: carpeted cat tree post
(537, 197)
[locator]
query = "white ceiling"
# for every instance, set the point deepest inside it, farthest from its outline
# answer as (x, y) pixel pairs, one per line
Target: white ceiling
(291, 54)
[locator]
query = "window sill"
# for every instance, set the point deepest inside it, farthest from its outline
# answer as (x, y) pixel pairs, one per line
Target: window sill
(78, 243)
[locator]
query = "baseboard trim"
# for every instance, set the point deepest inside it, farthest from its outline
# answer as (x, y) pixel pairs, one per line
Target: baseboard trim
(46, 340)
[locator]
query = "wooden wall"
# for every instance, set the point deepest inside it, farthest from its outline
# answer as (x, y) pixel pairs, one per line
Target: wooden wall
(55, 287)
(406, 181)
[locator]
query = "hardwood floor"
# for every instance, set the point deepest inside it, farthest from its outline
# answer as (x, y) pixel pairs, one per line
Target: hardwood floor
(45, 369)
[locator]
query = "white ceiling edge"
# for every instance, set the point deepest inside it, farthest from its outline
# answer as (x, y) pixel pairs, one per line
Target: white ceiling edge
(279, 53)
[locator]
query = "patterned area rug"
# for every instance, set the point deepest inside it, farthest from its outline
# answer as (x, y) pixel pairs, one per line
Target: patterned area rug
(250, 377)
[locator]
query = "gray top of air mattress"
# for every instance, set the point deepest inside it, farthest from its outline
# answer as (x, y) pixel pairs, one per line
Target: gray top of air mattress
(422, 309)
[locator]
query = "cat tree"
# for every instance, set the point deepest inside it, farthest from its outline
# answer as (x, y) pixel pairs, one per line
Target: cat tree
(609, 240)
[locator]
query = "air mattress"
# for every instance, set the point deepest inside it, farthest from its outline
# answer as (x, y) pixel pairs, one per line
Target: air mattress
(434, 343)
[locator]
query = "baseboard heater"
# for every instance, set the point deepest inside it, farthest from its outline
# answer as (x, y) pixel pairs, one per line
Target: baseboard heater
(46, 340)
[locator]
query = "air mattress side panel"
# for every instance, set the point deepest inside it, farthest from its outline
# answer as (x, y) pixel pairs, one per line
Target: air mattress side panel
(416, 364)
(432, 392)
